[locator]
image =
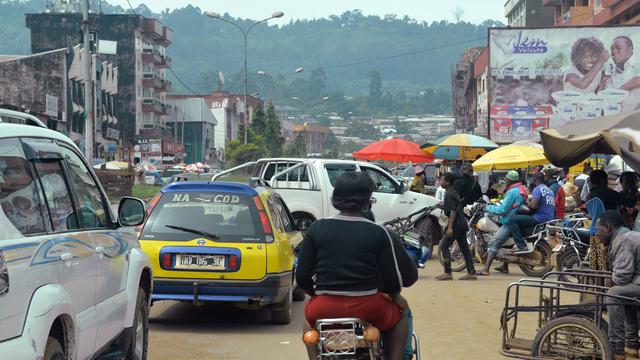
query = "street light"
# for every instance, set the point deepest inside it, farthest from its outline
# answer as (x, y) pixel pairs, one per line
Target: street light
(245, 33)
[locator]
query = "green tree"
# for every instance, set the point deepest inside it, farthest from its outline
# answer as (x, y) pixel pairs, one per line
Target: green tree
(375, 88)
(237, 153)
(274, 140)
(259, 121)
(331, 145)
(299, 146)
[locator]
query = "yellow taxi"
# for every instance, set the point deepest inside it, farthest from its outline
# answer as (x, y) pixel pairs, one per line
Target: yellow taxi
(223, 242)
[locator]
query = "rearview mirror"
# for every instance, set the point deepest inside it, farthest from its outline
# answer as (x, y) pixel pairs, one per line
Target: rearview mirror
(130, 212)
(403, 187)
(4, 276)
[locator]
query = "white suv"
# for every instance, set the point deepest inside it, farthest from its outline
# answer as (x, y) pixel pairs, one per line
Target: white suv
(74, 283)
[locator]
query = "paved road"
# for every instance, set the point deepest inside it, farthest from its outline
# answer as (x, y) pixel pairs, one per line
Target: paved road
(454, 320)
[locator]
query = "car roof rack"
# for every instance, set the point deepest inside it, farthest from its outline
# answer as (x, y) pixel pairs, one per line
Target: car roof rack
(27, 118)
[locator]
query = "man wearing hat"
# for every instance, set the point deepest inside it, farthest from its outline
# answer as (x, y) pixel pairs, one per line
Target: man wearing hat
(515, 196)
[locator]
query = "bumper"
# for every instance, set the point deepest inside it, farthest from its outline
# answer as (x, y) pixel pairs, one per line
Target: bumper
(17, 348)
(271, 289)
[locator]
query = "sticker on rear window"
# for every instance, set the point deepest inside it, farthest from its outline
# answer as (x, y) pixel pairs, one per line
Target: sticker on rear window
(218, 199)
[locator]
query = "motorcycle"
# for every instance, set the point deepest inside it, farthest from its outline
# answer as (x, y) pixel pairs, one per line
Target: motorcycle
(408, 229)
(482, 229)
(349, 339)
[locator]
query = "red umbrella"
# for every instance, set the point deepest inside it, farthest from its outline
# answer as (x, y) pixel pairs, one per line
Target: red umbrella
(397, 150)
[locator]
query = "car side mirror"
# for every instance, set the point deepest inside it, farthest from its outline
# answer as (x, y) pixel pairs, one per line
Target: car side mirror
(4, 276)
(403, 187)
(130, 212)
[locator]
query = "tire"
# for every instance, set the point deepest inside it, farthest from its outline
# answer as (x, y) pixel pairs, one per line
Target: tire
(53, 350)
(298, 294)
(139, 342)
(542, 252)
(574, 330)
(457, 260)
(568, 260)
(283, 314)
(303, 216)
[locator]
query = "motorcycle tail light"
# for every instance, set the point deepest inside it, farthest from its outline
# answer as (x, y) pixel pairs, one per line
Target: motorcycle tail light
(311, 337)
(166, 261)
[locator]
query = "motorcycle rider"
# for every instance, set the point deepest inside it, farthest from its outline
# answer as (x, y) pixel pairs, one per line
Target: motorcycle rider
(342, 260)
(515, 196)
(550, 178)
(542, 202)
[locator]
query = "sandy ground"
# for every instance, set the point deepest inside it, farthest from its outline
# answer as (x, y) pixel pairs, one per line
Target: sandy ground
(454, 320)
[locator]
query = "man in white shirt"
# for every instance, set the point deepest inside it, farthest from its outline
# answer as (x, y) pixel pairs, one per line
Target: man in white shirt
(625, 74)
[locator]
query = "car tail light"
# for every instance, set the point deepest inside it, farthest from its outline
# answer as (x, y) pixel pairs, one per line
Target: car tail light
(258, 202)
(264, 219)
(233, 262)
(166, 261)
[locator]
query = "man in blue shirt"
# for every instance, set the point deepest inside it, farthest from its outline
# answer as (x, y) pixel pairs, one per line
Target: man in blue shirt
(543, 203)
(514, 197)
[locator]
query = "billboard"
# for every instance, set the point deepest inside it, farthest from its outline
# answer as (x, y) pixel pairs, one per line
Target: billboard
(543, 78)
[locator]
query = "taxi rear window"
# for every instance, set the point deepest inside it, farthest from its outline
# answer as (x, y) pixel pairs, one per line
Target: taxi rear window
(225, 216)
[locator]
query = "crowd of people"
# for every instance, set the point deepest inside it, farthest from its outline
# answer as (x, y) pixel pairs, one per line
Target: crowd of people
(354, 267)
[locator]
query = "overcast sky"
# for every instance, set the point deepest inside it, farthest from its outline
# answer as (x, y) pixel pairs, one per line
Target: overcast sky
(475, 11)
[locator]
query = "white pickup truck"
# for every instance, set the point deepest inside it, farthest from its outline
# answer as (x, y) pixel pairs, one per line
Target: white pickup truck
(306, 185)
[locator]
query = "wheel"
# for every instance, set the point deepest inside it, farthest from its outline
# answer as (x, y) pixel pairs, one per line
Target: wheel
(457, 259)
(139, 342)
(53, 350)
(541, 256)
(568, 260)
(427, 227)
(283, 313)
(298, 294)
(303, 220)
(571, 337)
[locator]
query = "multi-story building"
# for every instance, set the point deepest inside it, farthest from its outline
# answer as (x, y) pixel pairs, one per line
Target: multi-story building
(481, 112)
(594, 12)
(50, 86)
(194, 127)
(314, 137)
(141, 59)
(228, 110)
(530, 13)
(462, 82)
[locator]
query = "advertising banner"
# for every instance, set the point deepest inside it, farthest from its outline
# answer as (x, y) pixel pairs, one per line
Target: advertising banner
(543, 78)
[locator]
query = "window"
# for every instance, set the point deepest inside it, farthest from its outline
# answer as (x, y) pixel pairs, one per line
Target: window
(381, 181)
(232, 217)
(300, 174)
(284, 213)
(91, 205)
(335, 170)
(20, 195)
(275, 214)
(56, 194)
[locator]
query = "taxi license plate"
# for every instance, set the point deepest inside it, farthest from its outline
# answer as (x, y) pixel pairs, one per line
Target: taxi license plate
(200, 262)
(558, 248)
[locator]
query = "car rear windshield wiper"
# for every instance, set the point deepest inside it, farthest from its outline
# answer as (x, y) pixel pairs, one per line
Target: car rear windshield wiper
(194, 231)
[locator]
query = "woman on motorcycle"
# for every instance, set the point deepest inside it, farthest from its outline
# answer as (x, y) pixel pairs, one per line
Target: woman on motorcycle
(345, 255)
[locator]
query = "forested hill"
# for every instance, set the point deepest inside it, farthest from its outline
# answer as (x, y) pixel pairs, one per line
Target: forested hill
(410, 56)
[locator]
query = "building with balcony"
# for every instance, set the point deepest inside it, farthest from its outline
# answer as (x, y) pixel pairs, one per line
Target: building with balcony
(50, 86)
(530, 13)
(594, 12)
(141, 61)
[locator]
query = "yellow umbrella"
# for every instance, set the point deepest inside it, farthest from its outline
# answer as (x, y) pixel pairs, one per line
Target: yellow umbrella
(514, 156)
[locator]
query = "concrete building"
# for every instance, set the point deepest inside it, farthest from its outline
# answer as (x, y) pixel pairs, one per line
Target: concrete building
(481, 111)
(594, 12)
(228, 110)
(531, 13)
(49, 85)
(141, 60)
(314, 136)
(194, 127)
(462, 82)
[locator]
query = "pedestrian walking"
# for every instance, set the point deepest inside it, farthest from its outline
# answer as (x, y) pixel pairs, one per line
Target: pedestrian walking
(456, 230)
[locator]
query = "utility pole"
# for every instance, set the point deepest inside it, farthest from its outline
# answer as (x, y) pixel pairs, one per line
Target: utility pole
(88, 91)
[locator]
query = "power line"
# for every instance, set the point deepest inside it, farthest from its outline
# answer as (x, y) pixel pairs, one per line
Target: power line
(182, 82)
(403, 54)
(132, 9)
